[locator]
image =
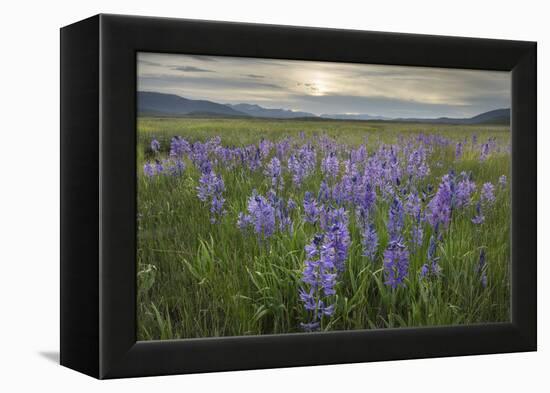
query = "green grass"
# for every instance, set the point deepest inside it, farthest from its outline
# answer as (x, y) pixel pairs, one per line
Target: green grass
(198, 279)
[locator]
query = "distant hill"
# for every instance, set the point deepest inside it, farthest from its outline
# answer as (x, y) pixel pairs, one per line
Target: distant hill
(358, 116)
(160, 104)
(258, 111)
(497, 116)
(150, 103)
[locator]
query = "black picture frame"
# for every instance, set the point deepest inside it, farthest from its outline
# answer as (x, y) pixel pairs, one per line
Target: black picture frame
(98, 196)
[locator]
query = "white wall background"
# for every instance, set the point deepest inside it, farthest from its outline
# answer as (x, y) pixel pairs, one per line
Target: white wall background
(29, 194)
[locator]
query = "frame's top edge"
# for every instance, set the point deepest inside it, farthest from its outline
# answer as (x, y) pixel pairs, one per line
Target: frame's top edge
(115, 17)
(88, 19)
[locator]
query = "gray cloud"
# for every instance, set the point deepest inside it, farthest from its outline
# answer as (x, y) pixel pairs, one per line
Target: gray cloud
(150, 63)
(190, 69)
(255, 76)
(202, 58)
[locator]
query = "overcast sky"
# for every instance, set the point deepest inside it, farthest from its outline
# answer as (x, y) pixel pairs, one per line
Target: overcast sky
(326, 87)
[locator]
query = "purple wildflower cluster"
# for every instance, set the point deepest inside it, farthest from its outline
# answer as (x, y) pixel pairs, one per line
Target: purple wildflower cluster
(155, 145)
(210, 190)
(488, 193)
(479, 218)
(179, 148)
(440, 208)
(396, 255)
(261, 216)
(267, 215)
(356, 184)
(311, 209)
(325, 261)
(396, 220)
(396, 264)
(302, 164)
(431, 268)
(459, 150)
(282, 211)
(369, 240)
(273, 171)
(464, 190)
(417, 166)
(171, 166)
(330, 166)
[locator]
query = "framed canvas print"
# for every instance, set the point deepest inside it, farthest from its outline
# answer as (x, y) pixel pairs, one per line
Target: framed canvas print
(238, 196)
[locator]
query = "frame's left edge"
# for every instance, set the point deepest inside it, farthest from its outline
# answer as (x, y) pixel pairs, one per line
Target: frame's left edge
(79, 260)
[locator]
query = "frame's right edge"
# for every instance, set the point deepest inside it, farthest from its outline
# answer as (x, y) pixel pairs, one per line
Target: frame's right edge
(524, 198)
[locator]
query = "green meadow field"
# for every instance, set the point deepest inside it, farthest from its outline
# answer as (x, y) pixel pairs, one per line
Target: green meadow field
(201, 275)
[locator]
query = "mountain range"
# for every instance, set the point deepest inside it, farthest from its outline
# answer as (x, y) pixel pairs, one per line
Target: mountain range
(171, 105)
(258, 111)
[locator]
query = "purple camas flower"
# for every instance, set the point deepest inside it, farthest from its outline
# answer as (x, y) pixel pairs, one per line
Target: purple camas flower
(396, 264)
(432, 266)
(177, 168)
(155, 145)
(369, 240)
(479, 218)
(416, 165)
(254, 158)
(482, 268)
(413, 205)
(488, 193)
(297, 170)
(273, 171)
(325, 259)
(282, 148)
(179, 147)
(396, 256)
(484, 152)
(417, 232)
(148, 169)
(261, 216)
(210, 190)
(319, 279)
(311, 211)
(459, 150)
(324, 192)
(424, 270)
(265, 147)
(396, 220)
(365, 204)
(159, 167)
(291, 204)
(464, 190)
(359, 155)
(502, 181)
(281, 212)
(199, 156)
(439, 209)
(216, 207)
(244, 221)
(337, 238)
(330, 166)
(349, 189)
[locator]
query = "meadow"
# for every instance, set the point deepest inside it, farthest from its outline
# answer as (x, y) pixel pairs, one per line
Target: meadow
(250, 226)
